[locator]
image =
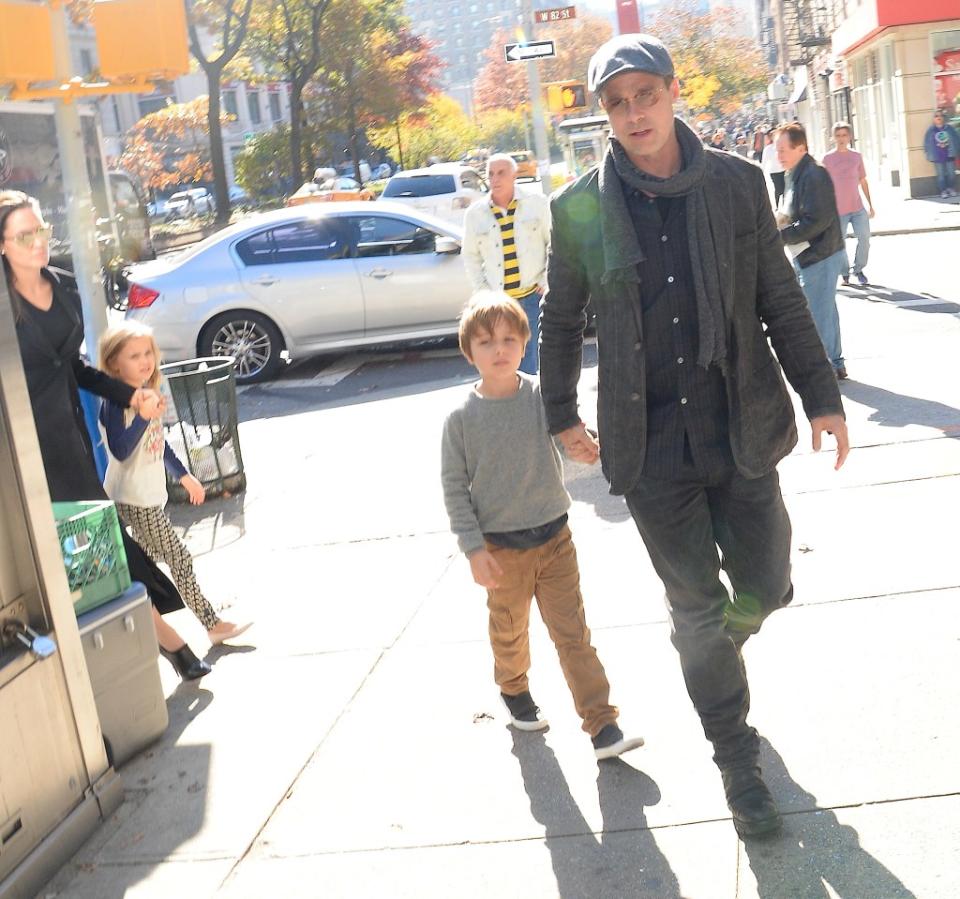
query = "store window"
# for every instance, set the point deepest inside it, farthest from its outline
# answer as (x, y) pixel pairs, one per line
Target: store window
(945, 49)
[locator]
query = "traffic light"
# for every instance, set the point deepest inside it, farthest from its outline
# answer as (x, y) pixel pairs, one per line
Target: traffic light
(566, 96)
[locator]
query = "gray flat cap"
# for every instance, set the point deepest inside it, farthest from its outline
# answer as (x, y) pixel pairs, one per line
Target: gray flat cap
(628, 53)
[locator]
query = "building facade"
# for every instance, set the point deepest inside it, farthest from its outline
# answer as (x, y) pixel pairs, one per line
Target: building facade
(462, 32)
(882, 65)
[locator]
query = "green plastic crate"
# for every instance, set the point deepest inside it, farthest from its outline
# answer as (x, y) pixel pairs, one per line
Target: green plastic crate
(92, 548)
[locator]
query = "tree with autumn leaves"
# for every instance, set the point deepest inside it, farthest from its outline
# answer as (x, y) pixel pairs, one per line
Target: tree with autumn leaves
(503, 85)
(171, 146)
(719, 69)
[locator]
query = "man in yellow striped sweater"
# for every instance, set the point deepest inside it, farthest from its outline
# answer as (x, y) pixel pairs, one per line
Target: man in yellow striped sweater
(505, 245)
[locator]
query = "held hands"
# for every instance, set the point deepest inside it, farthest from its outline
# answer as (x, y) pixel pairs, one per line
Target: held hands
(194, 489)
(148, 403)
(831, 424)
(579, 444)
(485, 569)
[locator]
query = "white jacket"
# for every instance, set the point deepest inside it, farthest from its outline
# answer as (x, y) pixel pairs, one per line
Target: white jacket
(483, 246)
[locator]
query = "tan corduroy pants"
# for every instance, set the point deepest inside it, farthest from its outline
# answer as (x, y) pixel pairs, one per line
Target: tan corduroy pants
(549, 573)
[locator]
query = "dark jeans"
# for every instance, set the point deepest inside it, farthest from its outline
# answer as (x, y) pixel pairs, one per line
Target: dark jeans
(682, 523)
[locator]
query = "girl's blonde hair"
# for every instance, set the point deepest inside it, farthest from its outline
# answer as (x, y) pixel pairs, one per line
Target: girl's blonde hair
(115, 338)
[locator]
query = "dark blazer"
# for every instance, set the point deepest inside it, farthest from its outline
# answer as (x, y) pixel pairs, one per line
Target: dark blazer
(53, 378)
(813, 213)
(586, 261)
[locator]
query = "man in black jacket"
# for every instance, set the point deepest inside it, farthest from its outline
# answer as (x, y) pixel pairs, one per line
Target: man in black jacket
(810, 227)
(677, 248)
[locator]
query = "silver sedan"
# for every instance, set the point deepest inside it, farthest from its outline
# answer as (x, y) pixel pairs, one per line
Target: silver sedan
(303, 281)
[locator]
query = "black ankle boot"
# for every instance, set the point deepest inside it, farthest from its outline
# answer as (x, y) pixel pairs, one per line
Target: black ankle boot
(186, 664)
(751, 805)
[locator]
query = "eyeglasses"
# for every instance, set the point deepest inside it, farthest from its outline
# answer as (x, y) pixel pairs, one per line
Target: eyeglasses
(644, 99)
(27, 239)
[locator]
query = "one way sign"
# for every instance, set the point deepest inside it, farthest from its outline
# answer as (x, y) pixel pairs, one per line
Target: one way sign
(529, 50)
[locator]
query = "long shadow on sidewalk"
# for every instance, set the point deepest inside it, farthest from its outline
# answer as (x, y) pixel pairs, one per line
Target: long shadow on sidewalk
(897, 410)
(816, 857)
(587, 868)
(904, 299)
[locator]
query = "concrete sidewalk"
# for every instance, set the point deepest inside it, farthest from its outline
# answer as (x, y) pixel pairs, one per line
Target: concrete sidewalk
(357, 748)
(898, 215)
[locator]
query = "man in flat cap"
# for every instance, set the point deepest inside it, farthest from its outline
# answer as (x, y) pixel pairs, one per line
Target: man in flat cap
(677, 248)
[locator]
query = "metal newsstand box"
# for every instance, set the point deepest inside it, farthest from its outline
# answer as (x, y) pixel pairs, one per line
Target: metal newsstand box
(120, 646)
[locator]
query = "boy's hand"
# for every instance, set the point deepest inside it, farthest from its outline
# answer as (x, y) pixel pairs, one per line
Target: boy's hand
(194, 489)
(579, 445)
(485, 569)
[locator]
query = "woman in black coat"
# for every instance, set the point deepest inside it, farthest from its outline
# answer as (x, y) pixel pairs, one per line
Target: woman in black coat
(49, 325)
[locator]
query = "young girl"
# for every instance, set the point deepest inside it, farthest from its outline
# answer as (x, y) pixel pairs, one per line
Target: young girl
(139, 460)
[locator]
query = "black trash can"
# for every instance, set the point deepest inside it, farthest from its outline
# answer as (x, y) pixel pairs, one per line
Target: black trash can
(201, 424)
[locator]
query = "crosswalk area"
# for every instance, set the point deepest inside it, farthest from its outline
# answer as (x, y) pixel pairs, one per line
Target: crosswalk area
(328, 371)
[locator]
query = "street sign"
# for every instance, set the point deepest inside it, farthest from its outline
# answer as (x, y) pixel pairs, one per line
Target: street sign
(555, 15)
(529, 50)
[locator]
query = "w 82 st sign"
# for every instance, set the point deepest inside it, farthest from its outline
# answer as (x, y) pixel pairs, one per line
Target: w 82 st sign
(555, 15)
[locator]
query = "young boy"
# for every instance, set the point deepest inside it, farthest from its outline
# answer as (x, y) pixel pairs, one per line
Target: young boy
(503, 488)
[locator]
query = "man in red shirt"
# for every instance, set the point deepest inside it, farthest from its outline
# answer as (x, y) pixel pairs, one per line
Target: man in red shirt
(849, 178)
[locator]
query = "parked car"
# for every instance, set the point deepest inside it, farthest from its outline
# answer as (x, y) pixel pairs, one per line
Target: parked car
(186, 203)
(333, 189)
(302, 281)
(381, 171)
(445, 189)
(526, 165)
(238, 196)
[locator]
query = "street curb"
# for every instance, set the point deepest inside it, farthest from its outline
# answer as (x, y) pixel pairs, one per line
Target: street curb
(898, 231)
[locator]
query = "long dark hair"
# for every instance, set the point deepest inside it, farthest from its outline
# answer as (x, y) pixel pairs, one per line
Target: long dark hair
(10, 202)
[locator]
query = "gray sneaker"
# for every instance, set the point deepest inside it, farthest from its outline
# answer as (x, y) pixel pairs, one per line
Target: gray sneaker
(611, 742)
(524, 714)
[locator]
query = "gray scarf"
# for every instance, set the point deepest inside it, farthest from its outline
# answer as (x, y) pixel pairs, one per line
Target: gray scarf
(618, 170)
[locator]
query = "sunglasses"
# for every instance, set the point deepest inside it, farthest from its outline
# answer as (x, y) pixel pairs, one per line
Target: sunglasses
(28, 239)
(644, 99)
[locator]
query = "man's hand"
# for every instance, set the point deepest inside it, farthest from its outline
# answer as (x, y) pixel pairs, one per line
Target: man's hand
(870, 212)
(485, 569)
(831, 424)
(579, 445)
(194, 489)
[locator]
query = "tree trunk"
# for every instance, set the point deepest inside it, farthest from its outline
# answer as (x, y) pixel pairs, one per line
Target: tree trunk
(352, 137)
(296, 134)
(399, 146)
(221, 195)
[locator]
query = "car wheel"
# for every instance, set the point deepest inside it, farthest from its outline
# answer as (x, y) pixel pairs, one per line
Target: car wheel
(252, 339)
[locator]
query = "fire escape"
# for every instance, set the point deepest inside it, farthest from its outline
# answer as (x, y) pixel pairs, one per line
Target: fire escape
(807, 28)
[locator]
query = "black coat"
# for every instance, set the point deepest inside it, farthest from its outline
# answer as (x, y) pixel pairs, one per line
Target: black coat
(54, 376)
(585, 262)
(813, 212)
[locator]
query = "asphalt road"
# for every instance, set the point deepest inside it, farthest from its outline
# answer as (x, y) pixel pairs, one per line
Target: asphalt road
(910, 272)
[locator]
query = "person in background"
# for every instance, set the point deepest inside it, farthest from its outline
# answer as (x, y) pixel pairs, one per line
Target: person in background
(49, 324)
(849, 177)
(941, 145)
(810, 228)
(505, 240)
(136, 478)
(719, 140)
(771, 165)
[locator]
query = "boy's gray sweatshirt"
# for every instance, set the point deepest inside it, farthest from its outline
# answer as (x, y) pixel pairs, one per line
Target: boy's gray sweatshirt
(500, 467)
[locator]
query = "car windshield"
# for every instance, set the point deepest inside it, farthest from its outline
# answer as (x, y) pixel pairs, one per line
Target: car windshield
(419, 186)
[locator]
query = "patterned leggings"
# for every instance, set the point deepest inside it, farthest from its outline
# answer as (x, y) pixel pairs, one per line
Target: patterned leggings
(152, 530)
